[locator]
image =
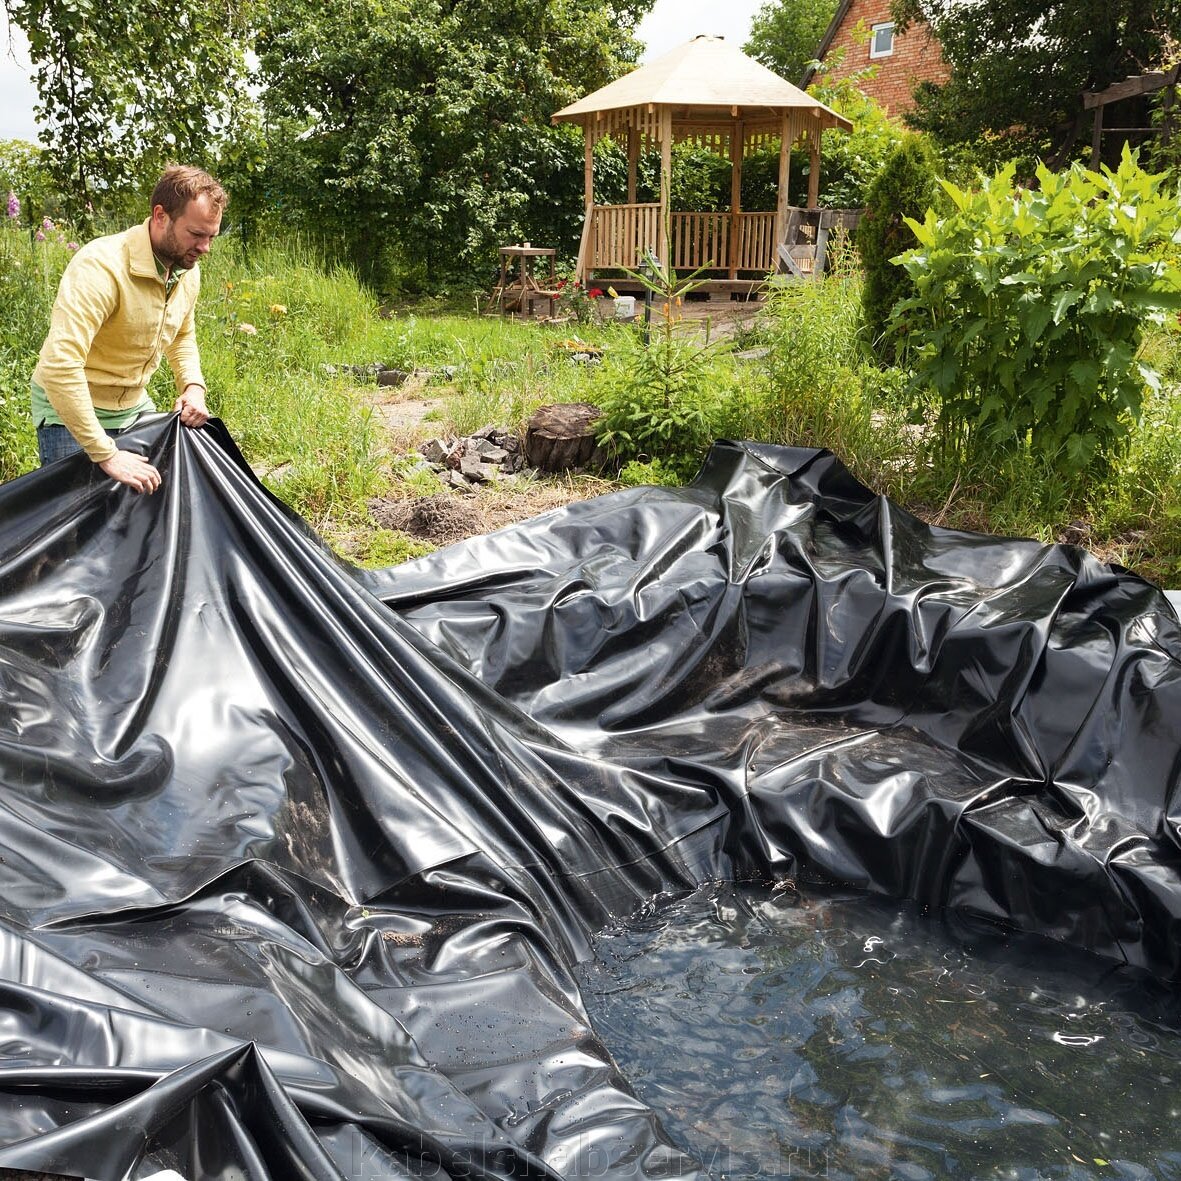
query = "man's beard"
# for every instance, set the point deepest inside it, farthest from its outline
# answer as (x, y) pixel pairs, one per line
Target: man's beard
(170, 252)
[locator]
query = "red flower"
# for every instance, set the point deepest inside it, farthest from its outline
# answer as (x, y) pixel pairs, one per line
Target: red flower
(594, 293)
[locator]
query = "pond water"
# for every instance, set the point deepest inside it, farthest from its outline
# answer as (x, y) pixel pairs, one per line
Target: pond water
(831, 1034)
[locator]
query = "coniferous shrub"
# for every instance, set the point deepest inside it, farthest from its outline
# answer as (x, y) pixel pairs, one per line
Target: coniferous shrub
(905, 187)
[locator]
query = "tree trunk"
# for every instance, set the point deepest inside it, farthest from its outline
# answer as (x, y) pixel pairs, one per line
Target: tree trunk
(562, 436)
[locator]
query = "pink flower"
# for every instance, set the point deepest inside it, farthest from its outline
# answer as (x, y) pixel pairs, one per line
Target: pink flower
(39, 236)
(71, 245)
(47, 224)
(14, 205)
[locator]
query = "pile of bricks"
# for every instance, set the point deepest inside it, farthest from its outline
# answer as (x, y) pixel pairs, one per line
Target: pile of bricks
(491, 453)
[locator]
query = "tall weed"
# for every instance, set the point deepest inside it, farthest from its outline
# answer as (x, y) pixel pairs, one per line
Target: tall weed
(819, 386)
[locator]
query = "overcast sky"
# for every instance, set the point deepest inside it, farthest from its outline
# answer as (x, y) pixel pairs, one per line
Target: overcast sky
(669, 24)
(673, 22)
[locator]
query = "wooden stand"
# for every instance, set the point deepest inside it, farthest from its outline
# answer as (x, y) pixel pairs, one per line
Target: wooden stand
(520, 291)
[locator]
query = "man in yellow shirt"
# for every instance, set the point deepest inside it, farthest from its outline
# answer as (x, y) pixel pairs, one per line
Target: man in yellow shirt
(124, 302)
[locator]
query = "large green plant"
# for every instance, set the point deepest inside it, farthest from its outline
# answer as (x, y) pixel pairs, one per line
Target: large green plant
(1031, 304)
(417, 136)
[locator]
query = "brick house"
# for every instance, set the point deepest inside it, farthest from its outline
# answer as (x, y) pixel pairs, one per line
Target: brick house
(902, 59)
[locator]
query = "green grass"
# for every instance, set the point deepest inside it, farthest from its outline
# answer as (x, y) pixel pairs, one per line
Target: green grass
(275, 327)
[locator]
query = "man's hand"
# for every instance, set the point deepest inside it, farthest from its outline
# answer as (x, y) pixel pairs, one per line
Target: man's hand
(191, 405)
(132, 470)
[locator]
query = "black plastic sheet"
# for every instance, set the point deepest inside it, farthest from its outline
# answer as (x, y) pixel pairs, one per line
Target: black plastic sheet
(296, 861)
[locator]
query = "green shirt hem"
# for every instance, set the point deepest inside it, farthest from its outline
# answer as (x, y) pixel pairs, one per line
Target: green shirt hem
(110, 420)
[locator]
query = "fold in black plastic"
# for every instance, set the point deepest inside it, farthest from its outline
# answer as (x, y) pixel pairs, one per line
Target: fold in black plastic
(295, 860)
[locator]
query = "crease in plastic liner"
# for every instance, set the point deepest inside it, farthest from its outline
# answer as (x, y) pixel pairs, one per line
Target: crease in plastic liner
(296, 860)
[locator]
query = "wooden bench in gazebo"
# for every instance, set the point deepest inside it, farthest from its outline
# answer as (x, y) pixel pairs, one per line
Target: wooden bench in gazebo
(713, 95)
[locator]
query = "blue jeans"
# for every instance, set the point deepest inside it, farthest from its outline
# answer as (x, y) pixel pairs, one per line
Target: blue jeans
(54, 442)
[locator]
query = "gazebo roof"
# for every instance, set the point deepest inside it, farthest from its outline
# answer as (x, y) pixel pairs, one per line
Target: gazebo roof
(701, 76)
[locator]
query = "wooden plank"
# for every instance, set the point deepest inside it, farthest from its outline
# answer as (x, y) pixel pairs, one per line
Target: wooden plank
(821, 251)
(585, 245)
(666, 162)
(788, 264)
(814, 134)
(633, 156)
(1130, 87)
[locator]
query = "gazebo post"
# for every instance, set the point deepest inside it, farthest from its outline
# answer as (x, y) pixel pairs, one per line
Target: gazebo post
(666, 181)
(633, 158)
(588, 166)
(737, 141)
(582, 267)
(784, 177)
(814, 133)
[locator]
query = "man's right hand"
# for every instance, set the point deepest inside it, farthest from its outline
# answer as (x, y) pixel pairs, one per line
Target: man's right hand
(132, 470)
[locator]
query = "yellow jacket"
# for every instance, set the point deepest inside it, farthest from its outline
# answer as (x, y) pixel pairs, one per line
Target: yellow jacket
(110, 326)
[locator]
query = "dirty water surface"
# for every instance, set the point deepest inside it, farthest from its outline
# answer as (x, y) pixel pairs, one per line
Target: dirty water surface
(821, 1033)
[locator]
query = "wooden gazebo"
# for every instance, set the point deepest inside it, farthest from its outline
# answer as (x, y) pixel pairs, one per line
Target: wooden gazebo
(712, 94)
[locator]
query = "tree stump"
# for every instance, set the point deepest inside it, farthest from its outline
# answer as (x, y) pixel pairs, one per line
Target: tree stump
(562, 436)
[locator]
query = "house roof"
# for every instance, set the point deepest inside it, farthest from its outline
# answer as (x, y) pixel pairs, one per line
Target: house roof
(702, 74)
(826, 41)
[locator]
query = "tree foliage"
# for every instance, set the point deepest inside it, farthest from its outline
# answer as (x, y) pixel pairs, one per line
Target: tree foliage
(418, 132)
(905, 187)
(1018, 67)
(785, 34)
(125, 87)
(1030, 307)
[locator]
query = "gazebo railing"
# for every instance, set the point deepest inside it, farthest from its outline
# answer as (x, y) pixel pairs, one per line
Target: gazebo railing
(754, 249)
(620, 236)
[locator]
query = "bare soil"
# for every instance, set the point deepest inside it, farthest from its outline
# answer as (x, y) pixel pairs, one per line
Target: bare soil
(412, 413)
(411, 418)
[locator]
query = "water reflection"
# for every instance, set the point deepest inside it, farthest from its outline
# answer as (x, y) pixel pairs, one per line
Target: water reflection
(826, 1034)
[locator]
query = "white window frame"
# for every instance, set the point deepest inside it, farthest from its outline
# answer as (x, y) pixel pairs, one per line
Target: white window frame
(873, 37)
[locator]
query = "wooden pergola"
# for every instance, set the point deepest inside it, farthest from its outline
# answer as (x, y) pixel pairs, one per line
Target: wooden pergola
(1135, 86)
(713, 95)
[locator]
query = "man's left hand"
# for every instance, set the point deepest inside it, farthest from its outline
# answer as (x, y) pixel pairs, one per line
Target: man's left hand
(191, 405)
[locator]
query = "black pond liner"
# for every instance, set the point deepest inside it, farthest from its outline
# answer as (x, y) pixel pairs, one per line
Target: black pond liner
(297, 863)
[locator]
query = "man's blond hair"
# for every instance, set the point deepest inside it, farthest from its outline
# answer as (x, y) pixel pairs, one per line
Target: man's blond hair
(180, 183)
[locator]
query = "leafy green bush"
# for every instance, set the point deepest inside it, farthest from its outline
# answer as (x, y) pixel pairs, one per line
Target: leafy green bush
(905, 187)
(1030, 309)
(23, 172)
(636, 473)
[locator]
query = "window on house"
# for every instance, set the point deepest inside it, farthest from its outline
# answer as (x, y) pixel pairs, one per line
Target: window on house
(881, 40)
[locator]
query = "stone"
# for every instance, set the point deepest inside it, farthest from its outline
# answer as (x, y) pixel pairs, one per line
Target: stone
(493, 454)
(392, 377)
(472, 468)
(436, 451)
